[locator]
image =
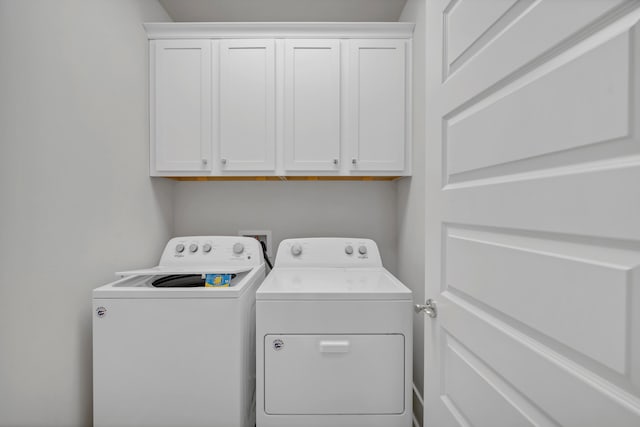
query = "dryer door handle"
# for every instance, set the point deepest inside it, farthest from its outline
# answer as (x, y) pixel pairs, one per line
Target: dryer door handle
(341, 346)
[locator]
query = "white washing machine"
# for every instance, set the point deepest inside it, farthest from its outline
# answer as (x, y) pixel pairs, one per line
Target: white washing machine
(169, 351)
(334, 338)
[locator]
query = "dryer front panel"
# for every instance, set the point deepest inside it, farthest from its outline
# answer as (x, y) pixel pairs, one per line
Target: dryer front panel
(334, 374)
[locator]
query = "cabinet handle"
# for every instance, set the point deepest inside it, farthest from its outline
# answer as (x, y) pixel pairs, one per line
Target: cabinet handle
(335, 161)
(224, 161)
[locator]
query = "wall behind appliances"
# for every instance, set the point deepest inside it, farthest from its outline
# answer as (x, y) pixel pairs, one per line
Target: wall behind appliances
(411, 196)
(76, 200)
(291, 209)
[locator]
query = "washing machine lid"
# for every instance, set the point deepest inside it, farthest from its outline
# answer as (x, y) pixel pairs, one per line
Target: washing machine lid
(332, 284)
(141, 286)
(161, 270)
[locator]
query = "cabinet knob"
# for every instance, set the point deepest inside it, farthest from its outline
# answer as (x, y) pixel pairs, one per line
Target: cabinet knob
(354, 161)
(205, 161)
(224, 161)
(335, 161)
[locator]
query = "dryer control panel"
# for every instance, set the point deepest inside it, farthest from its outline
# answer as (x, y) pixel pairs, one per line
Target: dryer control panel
(328, 252)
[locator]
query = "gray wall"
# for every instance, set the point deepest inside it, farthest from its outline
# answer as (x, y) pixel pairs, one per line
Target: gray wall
(412, 192)
(291, 209)
(76, 200)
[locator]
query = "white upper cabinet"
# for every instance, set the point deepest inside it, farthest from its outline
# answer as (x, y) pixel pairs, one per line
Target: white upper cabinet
(181, 105)
(246, 105)
(312, 105)
(378, 110)
(280, 99)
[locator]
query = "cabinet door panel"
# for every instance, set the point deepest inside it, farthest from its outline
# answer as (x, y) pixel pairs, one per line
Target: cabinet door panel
(246, 131)
(181, 108)
(377, 104)
(312, 105)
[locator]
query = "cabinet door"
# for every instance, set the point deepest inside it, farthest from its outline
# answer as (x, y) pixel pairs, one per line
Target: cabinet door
(377, 104)
(246, 127)
(181, 105)
(312, 105)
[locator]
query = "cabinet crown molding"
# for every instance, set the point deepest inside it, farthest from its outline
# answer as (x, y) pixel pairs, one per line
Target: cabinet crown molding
(315, 30)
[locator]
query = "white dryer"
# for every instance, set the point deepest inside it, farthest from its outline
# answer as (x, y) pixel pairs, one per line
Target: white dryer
(168, 351)
(334, 338)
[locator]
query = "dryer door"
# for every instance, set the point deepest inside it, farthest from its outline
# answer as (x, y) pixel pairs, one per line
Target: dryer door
(334, 374)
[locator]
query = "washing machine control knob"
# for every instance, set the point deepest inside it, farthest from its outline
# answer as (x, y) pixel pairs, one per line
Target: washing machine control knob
(362, 249)
(193, 248)
(206, 248)
(296, 249)
(348, 250)
(179, 248)
(238, 248)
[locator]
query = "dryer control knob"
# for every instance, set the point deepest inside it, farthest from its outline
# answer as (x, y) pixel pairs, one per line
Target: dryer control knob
(179, 248)
(206, 248)
(362, 249)
(193, 248)
(348, 250)
(296, 249)
(238, 248)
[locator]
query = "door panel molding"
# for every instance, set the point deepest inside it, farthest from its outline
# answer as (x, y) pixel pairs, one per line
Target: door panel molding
(500, 403)
(591, 103)
(524, 49)
(489, 20)
(517, 356)
(556, 277)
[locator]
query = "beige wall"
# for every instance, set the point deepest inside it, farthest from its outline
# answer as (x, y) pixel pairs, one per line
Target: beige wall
(76, 200)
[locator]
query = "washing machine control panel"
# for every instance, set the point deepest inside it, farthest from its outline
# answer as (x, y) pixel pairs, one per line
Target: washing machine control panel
(212, 250)
(328, 252)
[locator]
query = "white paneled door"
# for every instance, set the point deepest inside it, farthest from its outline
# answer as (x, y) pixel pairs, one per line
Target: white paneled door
(533, 213)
